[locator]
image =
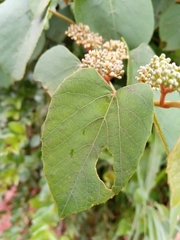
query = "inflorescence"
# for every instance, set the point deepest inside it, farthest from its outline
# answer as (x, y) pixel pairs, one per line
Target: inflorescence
(105, 58)
(160, 72)
(83, 36)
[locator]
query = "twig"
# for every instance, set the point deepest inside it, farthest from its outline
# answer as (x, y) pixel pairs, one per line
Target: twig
(167, 104)
(62, 16)
(164, 92)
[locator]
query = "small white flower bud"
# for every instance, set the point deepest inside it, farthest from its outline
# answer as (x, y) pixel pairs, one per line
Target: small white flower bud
(160, 71)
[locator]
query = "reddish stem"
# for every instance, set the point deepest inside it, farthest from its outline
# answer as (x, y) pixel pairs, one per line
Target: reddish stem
(164, 92)
(107, 78)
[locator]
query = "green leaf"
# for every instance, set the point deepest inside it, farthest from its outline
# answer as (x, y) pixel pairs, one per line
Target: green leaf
(39, 47)
(159, 8)
(173, 171)
(16, 127)
(5, 80)
(157, 215)
(85, 116)
(37, 7)
(139, 56)
(169, 28)
(118, 18)
(54, 66)
(169, 120)
(20, 32)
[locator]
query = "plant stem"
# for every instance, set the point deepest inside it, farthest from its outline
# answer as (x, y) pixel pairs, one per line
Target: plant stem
(134, 226)
(162, 97)
(167, 104)
(164, 91)
(62, 17)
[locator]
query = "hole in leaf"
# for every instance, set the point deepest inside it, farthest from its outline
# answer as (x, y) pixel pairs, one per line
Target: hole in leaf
(104, 168)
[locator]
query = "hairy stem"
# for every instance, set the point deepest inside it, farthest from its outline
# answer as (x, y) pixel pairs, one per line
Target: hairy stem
(62, 17)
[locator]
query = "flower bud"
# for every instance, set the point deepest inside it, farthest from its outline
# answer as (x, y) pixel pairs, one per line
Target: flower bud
(160, 72)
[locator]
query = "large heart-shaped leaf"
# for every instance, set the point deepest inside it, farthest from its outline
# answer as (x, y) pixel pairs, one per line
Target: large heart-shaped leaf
(118, 18)
(19, 34)
(85, 116)
(54, 66)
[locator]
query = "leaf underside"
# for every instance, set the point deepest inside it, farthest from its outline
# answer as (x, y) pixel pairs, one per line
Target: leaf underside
(20, 31)
(85, 116)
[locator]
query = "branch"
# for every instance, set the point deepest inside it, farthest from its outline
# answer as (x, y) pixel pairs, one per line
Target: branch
(167, 104)
(62, 17)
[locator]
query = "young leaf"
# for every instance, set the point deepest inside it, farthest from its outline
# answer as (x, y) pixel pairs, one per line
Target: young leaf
(20, 32)
(115, 19)
(54, 66)
(173, 171)
(85, 116)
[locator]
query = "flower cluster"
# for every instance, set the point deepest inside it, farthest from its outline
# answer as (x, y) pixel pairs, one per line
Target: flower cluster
(83, 36)
(107, 60)
(118, 46)
(160, 72)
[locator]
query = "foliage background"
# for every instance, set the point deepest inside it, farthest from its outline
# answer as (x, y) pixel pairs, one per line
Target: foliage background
(142, 210)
